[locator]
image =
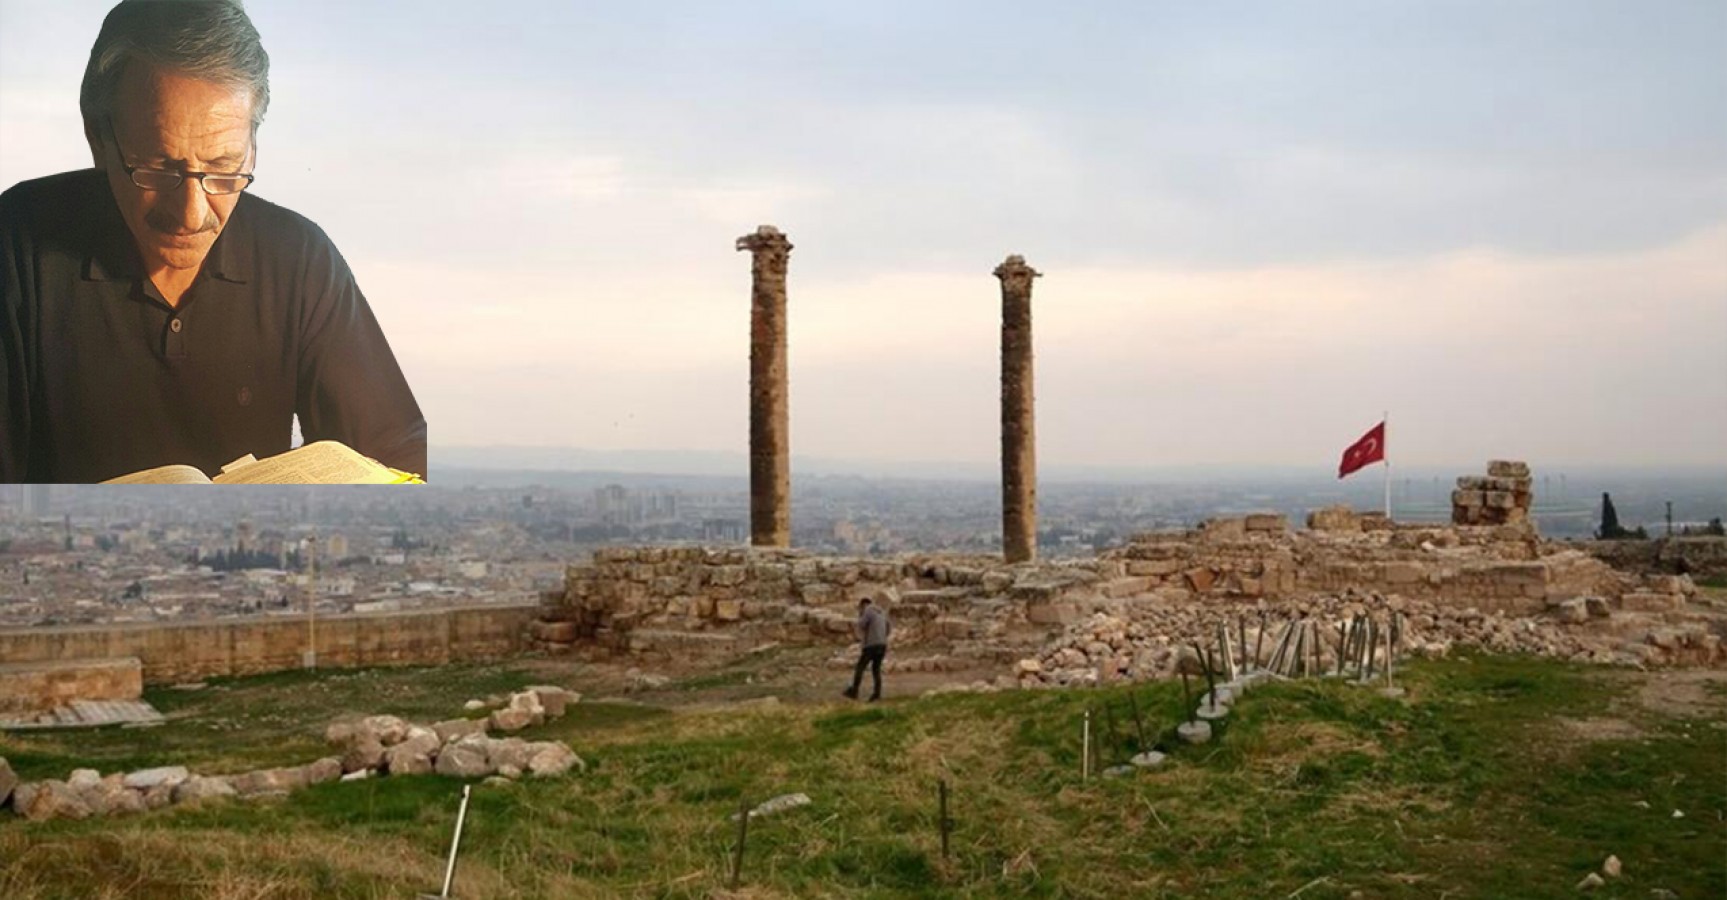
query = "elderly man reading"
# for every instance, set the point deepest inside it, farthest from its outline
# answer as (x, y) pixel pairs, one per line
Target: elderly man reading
(153, 311)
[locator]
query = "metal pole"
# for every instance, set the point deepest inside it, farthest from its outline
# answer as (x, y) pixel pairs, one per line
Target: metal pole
(1385, 433)
(311, 660)
(1138, 723)
(456, 841)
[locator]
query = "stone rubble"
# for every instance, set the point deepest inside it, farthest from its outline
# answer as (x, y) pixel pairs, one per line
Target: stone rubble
(370, 746)
(777, 805)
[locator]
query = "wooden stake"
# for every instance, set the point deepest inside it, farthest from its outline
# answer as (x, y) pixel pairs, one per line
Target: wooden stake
(946, 823)
(743, 835)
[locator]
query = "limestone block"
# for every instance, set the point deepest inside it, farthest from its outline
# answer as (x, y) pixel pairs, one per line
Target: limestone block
(1402, 572)
(45, 800)
(1649, 601)
(1052, 613)
(1473, 483)
(1126, 587)
(324, 770)
(552, 758)
(1154, 568)
(1223, 529)
(728, 610)
(464, 760)
(1333, 518)
(364, 752)
(145, 779)
(1267, 522)
(728, 576)
(199, 787)
(554, 699)
(1468, 498)
(1502, 468)
(1200, 579)
(406, 759)
(1498, 500)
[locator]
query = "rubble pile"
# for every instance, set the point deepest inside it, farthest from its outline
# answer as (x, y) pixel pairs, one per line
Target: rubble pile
(374, 745)
(1645, 627)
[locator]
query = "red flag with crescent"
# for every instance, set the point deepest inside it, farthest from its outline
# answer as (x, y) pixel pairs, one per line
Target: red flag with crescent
(1370, 449)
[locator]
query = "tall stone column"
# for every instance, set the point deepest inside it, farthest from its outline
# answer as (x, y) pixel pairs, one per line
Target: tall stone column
(1018, 429)
(770, 425)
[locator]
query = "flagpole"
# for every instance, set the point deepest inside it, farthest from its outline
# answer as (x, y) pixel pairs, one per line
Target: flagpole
(1385, 420)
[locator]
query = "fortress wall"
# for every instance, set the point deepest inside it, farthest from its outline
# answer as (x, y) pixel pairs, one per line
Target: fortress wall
(193, 650)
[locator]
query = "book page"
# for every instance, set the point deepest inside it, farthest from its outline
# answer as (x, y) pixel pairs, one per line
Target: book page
(326, 462)
(163, 475)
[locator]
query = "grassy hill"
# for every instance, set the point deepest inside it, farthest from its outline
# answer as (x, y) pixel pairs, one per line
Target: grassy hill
(1495, 777)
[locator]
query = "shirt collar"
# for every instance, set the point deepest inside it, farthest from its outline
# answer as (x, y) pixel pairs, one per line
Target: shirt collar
(114, 256)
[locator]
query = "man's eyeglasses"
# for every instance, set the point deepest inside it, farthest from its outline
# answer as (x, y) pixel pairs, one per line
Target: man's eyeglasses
(166, 180)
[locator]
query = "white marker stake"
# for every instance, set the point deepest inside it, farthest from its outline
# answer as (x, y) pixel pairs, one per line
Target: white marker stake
(456, 841)
(1085, 749)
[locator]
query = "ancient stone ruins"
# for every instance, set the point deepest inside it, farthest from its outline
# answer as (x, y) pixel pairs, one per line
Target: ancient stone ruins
(1128, 613)
(367, 747)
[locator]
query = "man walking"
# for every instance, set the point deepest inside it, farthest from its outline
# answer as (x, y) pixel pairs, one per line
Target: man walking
(873, 629)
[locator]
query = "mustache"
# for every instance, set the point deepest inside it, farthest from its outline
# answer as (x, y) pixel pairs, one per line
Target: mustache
(167, 224)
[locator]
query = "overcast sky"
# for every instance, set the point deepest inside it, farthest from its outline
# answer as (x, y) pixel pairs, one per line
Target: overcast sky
(1259, 225)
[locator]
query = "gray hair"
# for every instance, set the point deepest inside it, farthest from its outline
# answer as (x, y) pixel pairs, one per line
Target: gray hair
(211, 40)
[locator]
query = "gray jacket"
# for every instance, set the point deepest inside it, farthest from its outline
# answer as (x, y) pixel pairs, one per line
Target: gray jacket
(873, 626)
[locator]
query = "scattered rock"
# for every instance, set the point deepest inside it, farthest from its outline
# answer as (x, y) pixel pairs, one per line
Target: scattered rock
(357, 775)
(554, 699)
(463, 760)
(455, 729)
(1612, 867)
(159, 796)
(552, 758)
(407, 759)
(324, 770)
(145, 779)
(473, 705)
(508, 772)
(364, 753)
(497, 781)
(511, 719)
(389, 730)
(199, 787)
(114, 800)
(44, 800)
(1590, 882)
(1118, 771)
(84, 779)
(778, 805)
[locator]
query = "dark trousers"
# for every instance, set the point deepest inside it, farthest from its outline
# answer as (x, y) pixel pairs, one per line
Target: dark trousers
(872, 657)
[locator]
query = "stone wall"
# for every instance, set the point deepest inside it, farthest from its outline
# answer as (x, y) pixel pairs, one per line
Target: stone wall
(29, 687)
(1698, 555)
(182, 652)
(1502, 498)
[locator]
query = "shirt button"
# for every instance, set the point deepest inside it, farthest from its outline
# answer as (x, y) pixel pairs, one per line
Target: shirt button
(175, 325)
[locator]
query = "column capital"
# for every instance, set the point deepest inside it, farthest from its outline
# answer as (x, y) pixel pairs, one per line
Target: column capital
(766, 238)
(1014, 273)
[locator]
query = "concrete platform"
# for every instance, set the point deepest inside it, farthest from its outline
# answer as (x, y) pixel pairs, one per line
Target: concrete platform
(87, 714)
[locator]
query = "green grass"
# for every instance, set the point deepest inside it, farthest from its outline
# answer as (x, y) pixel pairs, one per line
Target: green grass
(1470, 787)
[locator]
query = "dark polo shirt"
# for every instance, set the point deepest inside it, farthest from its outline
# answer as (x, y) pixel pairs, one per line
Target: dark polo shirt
(99, 376)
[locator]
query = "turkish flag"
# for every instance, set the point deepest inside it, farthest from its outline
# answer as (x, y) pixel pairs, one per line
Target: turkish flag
(1370, 449)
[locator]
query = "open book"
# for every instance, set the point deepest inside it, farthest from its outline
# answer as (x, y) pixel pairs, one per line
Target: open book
(325, 462)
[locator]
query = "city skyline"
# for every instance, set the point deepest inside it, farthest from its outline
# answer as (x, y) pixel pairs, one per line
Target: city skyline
(1257, 232)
